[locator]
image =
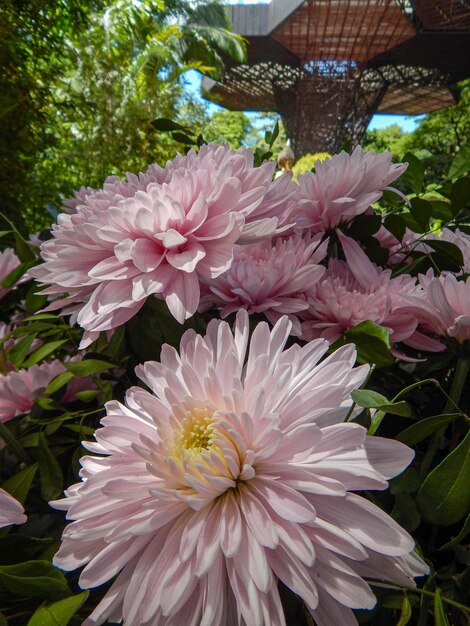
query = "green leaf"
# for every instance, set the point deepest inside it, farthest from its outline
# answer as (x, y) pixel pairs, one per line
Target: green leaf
(414, 173)
(19, 548)
(405, 512)
(448, 256)
(396, 225)
(50, 474)
(421, 210)
(408, 481)
(372, 343)
(59, 613)
(460, 196)
(375, 422)
(116, 346)
(441, 210)
(23, 249)
(41, 316)
(372, 400)
(88, 367)
(271, 136)
(48, 404)
(18, 353)
(411, 222)
(34, 579)
(58, 382)
(14, 276)
(405, 614)
(166, 125)
(369, 399)
(440, 617)
(444, 497)
(19, 484)
(45, 350)
(461, 163)
(34, 300)
(390, 197)
(364, 226)
(87, 395)
(422, 429)
(460, 537)
(184, 138)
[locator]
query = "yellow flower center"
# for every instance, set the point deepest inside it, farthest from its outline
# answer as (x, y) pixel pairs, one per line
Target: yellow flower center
(197, 431)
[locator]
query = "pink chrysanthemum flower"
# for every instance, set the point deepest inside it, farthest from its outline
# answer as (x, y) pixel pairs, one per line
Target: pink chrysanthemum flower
(8, 262)
(79, 197)
(157, 234)
(266, 213)
(444, 307)
(11, 511)
(354, 291)
(268, 278)
(237, 471)
(343, 187)
(19, 389)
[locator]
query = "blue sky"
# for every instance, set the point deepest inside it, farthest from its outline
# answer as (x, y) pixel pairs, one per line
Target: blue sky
(407, 123)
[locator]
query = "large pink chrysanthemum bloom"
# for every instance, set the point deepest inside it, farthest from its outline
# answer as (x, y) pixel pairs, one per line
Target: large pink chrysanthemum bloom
(238, 470)
(444, 307)
(8, 262)
(19, 389)
(11, 511)
(269, 278)
(156, 234)
(356, 290)
(343, 187)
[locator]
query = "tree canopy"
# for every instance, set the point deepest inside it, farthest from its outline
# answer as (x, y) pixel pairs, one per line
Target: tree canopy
(82, 83)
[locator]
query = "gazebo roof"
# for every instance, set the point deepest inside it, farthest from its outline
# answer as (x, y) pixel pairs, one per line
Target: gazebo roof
(391, 56)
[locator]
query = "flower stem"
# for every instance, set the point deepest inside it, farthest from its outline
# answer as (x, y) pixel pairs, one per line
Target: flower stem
(460, 376)
(453, 398)
(423, 592)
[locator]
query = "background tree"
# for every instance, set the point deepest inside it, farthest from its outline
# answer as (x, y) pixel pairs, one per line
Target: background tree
(33, 35)
(234, 127)
(81, 91)
(440, 134)
(393, 138)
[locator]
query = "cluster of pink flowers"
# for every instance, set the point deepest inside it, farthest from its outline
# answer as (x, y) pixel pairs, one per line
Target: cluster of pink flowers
(237, 470)
(164, 232)
(211, 229)
(20, 388)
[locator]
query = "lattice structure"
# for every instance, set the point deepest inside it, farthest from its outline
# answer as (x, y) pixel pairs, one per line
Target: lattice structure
(328, 65)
